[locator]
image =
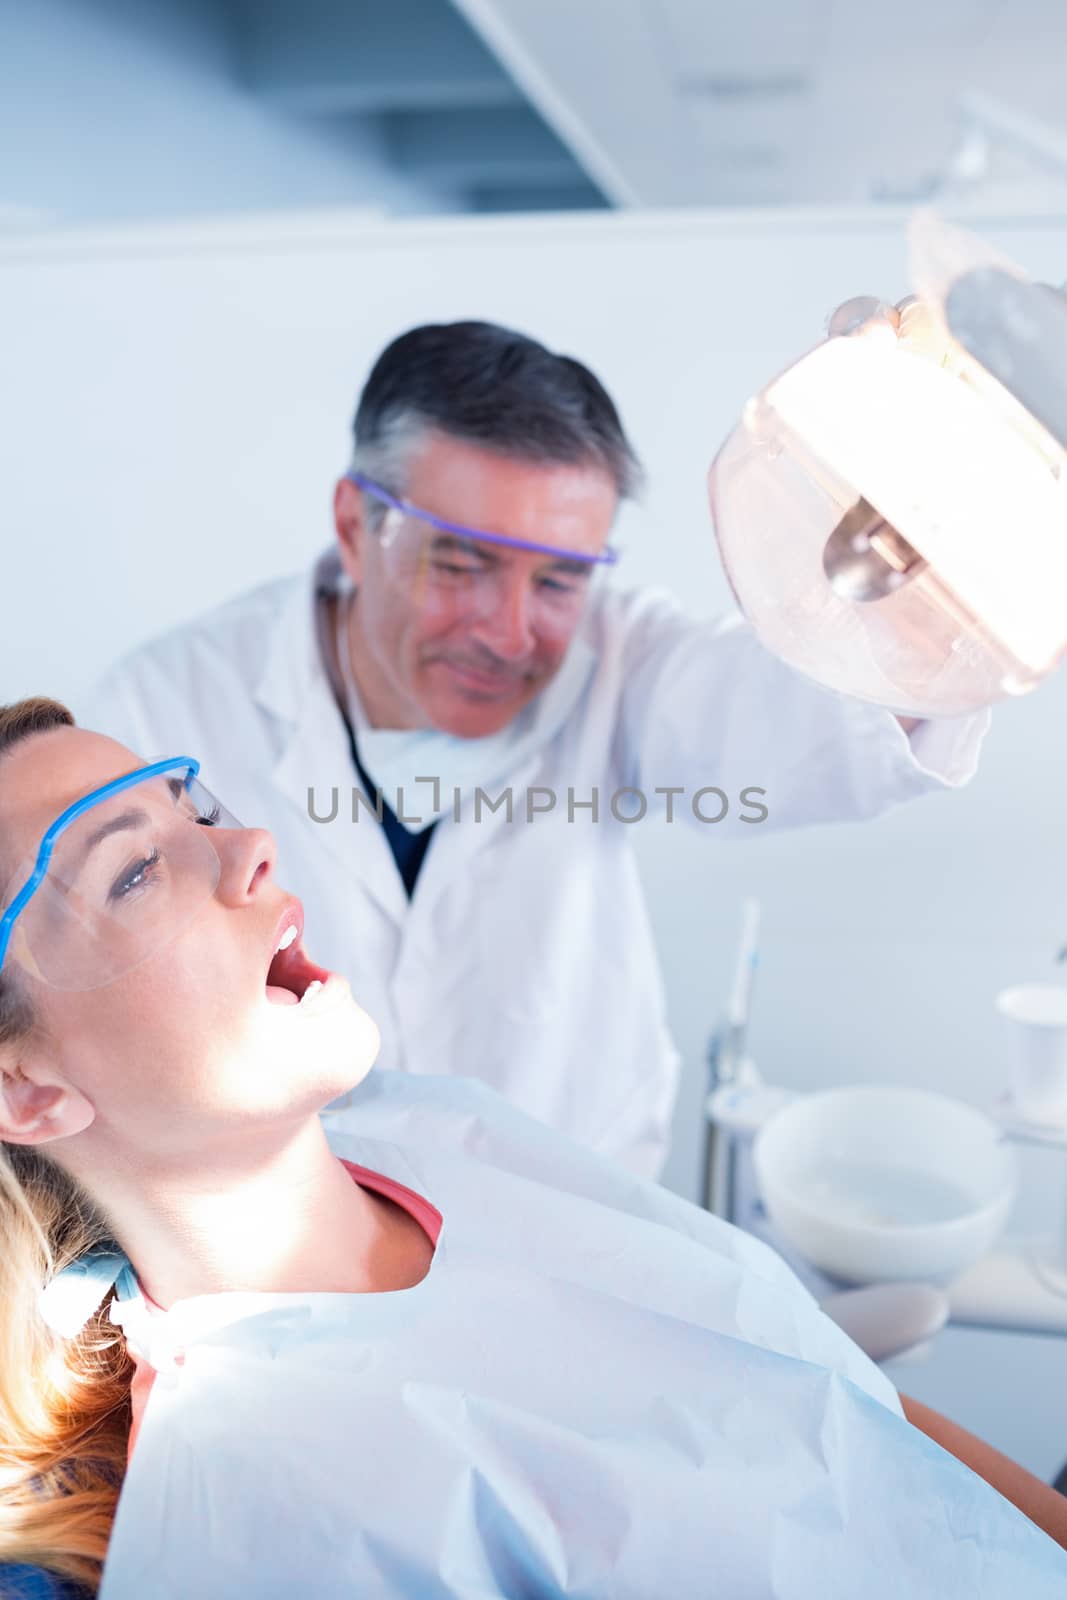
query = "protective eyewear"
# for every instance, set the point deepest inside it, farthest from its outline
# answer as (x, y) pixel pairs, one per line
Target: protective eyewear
(450, 572)
(507, 540)
(116, 877)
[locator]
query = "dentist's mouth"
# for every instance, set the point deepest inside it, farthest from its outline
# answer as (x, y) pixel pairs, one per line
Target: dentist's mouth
(492, 682)
(292, 978)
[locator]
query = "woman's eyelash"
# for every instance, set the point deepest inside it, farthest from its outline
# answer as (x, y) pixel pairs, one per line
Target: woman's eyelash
(135, 877)
(141, 871)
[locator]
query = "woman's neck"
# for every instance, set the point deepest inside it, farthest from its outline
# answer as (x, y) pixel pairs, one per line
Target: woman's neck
(283, 1219)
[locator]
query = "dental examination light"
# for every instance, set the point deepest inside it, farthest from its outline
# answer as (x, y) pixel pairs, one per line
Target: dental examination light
(892, 510)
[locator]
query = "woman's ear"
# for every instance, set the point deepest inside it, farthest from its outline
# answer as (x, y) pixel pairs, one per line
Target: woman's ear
(36, 1102)
(348, 520)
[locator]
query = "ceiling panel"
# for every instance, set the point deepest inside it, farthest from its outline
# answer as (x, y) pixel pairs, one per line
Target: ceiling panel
(803, 101)
(761, 40)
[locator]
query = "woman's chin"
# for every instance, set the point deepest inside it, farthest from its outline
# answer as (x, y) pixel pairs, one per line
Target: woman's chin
(367, 1039)
(334, 1041)
(347, 1045)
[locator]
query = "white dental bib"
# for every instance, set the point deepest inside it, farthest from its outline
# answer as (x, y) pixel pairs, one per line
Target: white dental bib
(597, 1390)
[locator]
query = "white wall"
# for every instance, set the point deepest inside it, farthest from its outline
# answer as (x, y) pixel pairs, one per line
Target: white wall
(122, 109)
(173, 410)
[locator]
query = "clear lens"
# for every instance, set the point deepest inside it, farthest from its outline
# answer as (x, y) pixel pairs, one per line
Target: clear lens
(449, 578)
(122, 882)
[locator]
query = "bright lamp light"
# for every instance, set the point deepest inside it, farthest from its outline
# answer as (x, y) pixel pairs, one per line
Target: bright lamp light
(892, 509)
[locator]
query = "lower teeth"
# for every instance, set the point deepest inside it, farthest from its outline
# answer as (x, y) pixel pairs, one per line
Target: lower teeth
(311, 989)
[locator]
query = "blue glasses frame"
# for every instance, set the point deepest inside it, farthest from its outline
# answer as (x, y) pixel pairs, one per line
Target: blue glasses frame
(63, 822)
(606, 558)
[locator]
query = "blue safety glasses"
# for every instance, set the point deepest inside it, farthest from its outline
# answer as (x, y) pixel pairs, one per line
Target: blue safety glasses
(115, 878)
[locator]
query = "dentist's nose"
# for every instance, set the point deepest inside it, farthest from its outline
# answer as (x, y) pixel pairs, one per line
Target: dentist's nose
(507, 628)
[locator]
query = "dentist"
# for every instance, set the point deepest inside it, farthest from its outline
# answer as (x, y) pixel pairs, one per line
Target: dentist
(451, 724)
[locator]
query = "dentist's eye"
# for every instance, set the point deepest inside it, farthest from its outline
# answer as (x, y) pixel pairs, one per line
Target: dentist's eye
(135, 877)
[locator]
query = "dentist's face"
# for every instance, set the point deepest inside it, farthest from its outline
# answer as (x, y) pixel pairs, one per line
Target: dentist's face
(206, 1040)
(461, 641)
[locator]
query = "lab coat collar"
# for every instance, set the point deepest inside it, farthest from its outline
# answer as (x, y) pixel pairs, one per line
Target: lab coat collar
(294, 667)
(295, 689)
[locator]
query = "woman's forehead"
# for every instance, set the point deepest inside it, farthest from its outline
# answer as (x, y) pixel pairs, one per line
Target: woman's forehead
(45, 773)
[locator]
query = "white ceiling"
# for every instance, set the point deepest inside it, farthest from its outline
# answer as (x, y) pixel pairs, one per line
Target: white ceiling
(682, 102)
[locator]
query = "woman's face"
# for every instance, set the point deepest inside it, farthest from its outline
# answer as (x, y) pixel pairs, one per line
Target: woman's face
(191, 1050)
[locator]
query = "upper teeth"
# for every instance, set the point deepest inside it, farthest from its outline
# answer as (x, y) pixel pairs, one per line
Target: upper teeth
(286, 939)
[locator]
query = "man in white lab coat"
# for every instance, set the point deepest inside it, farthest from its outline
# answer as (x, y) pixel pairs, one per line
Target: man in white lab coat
(453, 722)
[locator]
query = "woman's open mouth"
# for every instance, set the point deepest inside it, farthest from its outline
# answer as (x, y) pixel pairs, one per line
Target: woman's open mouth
(292, 978)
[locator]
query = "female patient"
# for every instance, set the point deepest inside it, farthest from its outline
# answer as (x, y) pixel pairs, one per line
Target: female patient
(463, 1359)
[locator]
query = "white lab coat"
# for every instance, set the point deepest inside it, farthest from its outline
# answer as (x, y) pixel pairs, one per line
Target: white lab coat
(525, 956)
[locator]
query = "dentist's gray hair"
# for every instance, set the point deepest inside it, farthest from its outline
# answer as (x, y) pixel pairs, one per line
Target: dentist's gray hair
(492, 387)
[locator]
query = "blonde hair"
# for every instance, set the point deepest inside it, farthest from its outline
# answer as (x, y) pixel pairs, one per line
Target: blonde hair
(64, 1403)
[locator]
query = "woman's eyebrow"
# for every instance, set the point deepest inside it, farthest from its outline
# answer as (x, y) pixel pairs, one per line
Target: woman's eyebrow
(134, 818)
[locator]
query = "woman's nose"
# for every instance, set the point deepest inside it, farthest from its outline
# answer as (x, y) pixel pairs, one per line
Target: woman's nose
(247, 858)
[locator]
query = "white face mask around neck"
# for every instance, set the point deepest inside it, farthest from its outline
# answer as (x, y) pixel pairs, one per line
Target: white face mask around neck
(397, 758)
